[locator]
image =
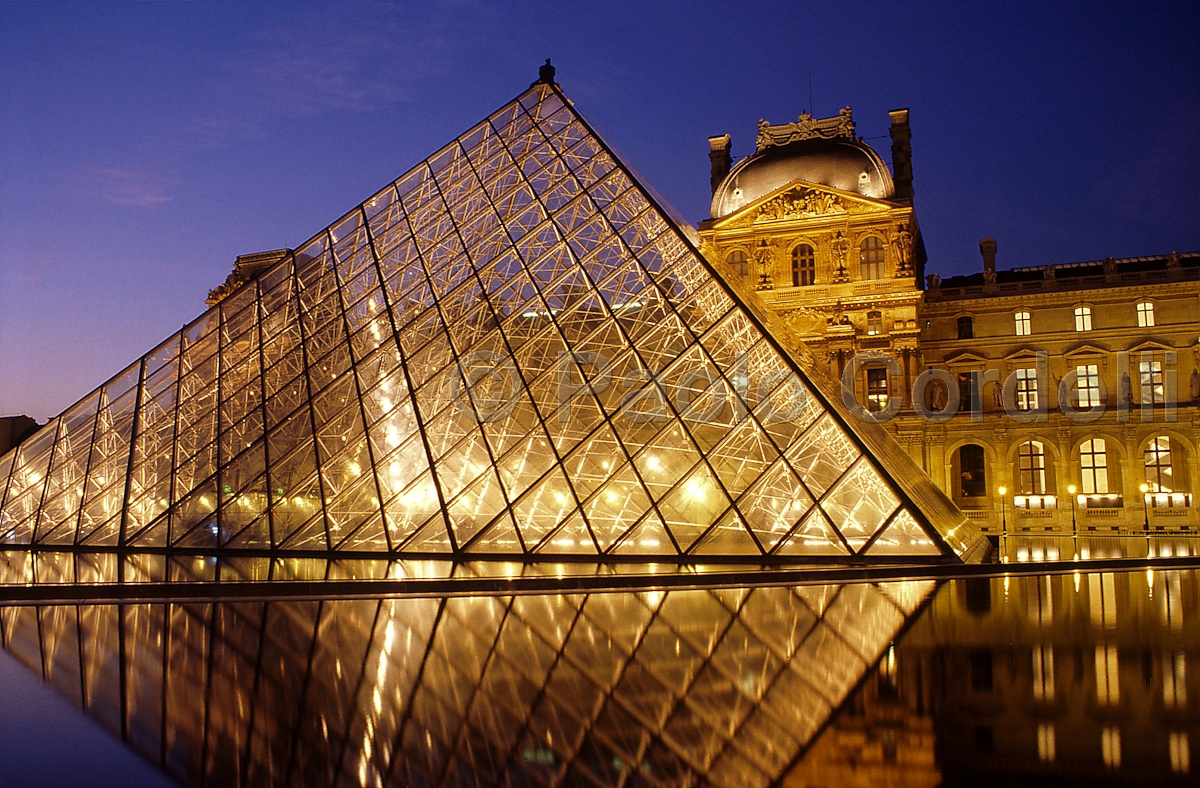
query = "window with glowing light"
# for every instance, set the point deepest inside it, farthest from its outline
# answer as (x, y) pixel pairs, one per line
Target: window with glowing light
(1145, 314)
(1150, 373)
(1160, 473)
(1027, 388)
(1087, 386)
(1023, 324)
(877, 389)
(1093, 467)
(1083, 318)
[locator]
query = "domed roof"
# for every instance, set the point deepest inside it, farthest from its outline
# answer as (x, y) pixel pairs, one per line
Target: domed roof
(843, 163)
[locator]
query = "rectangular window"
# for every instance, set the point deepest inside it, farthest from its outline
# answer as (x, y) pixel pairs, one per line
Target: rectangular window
(1024, 326)
(1093, 466)
(1083, 318)
(874, 323)
(877, 389)
(1087, 386)
(966, 328)
(1145, 313)
(1151, 374)
(1027, 389)
(804, 266)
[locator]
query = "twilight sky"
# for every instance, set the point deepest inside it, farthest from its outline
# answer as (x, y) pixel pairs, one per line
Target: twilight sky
(143, 146)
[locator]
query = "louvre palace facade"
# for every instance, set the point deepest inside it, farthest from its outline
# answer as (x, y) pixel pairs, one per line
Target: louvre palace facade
(1047, 401)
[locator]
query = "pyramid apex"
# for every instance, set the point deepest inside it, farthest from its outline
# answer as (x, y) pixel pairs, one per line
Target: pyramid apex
(545, 74)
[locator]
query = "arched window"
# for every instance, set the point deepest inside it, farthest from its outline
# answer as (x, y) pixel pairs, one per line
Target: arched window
(870, 257)
(1023, 323)
(804, 266)
(1093, 466)
(1031, 462)
(874, 323)
(738, 261)
(1160, 473)
(972, 471)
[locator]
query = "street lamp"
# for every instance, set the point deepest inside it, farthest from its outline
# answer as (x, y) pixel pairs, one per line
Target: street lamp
(1003, 526)
(1074, 525)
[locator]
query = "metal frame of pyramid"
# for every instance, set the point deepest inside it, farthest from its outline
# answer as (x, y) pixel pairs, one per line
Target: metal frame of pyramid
(510, 352)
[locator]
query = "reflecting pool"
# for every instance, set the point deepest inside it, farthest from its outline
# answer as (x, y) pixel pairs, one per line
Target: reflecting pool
(1019, 679)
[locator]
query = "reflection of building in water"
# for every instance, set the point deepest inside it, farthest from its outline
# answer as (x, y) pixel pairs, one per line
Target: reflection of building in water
(884, 736)
(1025, 679)
(1096, 363)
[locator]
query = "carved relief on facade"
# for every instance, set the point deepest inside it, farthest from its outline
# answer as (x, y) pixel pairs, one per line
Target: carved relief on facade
(806, 321)
(800, 203)
(806, 128)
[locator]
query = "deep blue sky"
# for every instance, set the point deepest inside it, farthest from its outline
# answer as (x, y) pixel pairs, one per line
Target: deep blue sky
(143, 146)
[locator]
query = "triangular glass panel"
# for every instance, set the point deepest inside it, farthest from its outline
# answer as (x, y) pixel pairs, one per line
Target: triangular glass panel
(903, 536)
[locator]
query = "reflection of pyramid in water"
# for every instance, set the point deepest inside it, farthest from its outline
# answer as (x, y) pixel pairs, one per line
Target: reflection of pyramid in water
(510, 350)
(718, 688)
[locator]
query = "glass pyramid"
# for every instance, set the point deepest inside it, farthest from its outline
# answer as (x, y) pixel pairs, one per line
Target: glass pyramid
(511, 351)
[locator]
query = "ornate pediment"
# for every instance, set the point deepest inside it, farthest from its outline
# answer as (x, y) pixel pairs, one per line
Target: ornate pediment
(806, 128)
(806, 202)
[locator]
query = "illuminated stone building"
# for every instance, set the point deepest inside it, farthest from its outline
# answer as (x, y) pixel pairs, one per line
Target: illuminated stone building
(1068, 387)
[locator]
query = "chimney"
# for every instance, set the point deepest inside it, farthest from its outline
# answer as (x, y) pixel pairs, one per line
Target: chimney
(901, 154)
(718, 156)
(987, 248)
